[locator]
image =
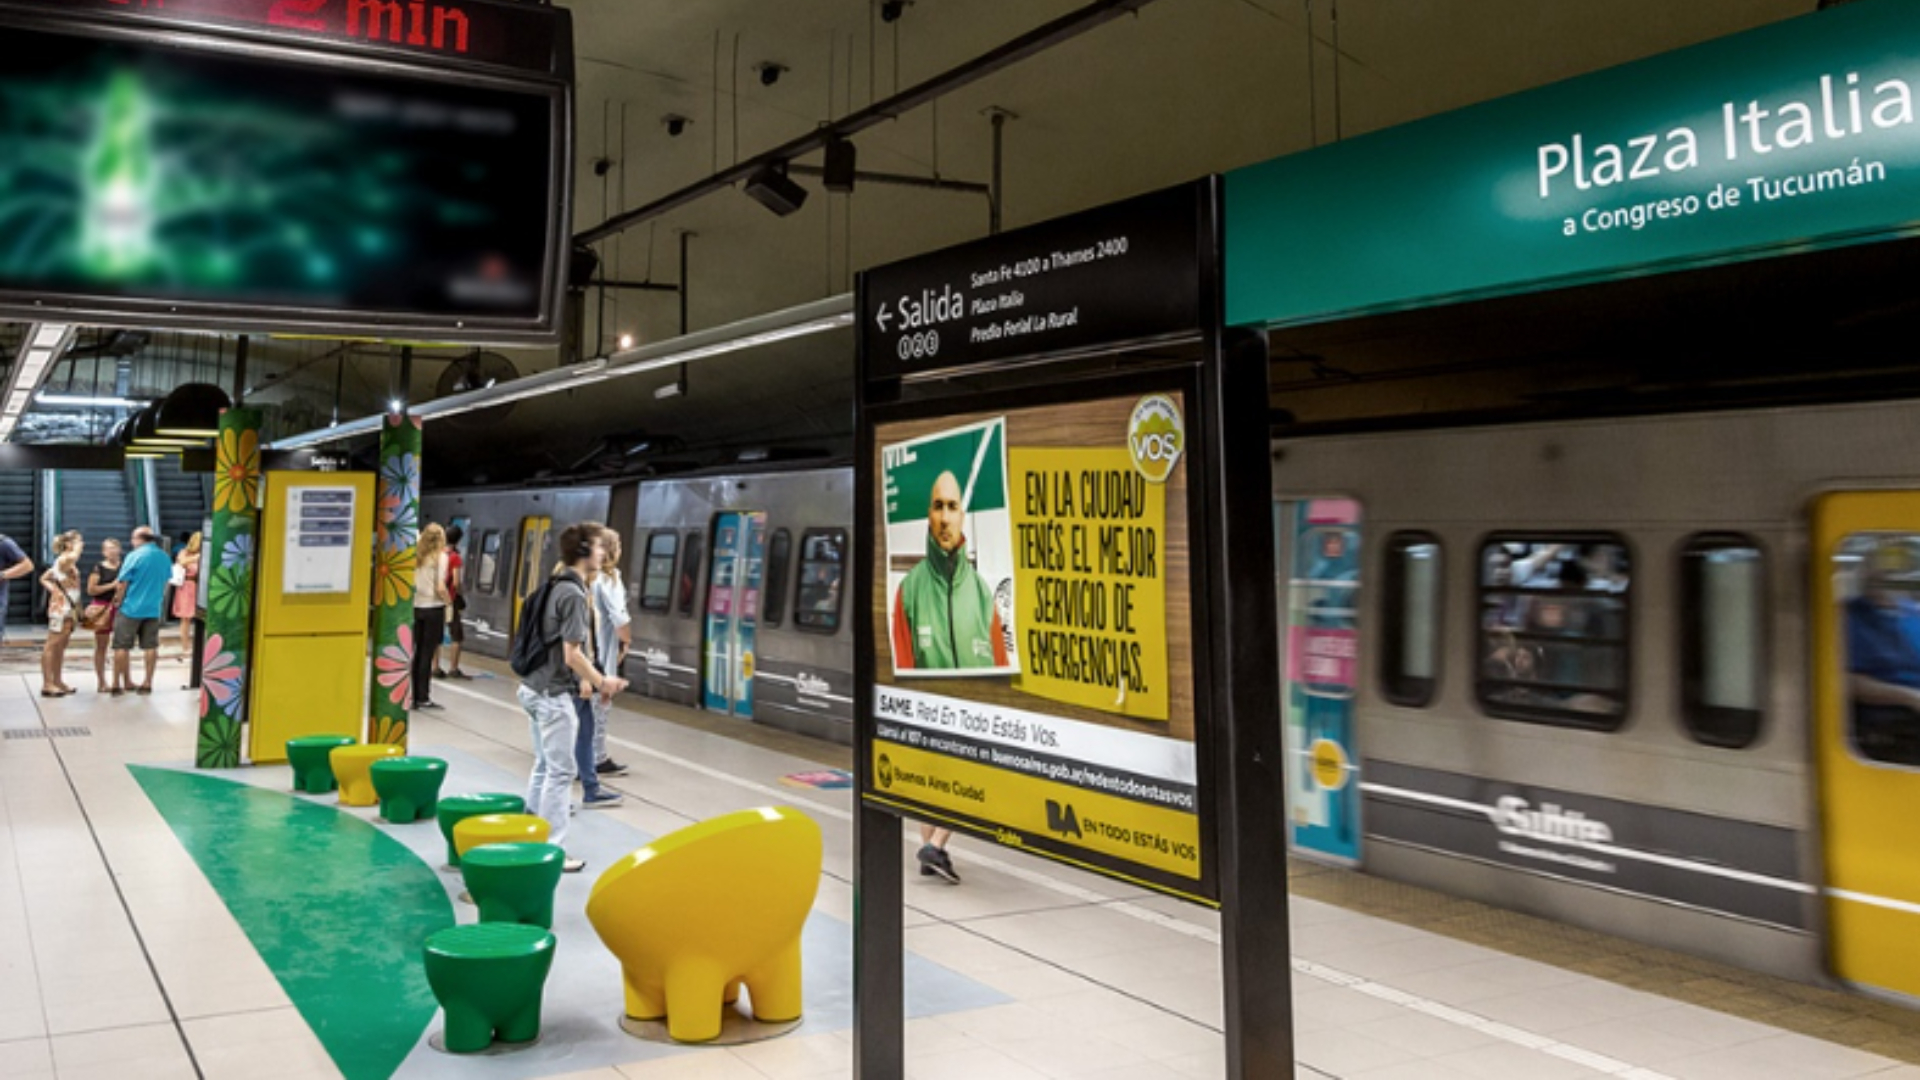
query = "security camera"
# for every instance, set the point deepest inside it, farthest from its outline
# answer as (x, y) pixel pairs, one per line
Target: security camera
(891, 10)
(602, 166)
(770, 71)
(675, 123)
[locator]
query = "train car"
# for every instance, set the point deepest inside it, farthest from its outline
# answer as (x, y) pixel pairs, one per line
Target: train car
(740, 603)
(508, 548)
(735, 583)
(1637, 675)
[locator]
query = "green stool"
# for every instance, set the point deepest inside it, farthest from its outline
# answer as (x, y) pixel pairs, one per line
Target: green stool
(312, 768)
(489, 978)
(457, 808)
(408, 787)
(514, 883)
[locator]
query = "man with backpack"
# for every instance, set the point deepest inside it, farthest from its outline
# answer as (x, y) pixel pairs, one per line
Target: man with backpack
(13, 564)
(553, 655)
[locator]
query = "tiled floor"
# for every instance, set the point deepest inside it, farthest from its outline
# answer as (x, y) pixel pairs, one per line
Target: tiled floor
(118, 960)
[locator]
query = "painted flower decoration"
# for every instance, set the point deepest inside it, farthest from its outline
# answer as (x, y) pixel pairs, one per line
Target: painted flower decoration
(238, 552)
(393, 575)
(393, 668)
(389, 730)
(220, 678)
(236, 470)
(396, 520)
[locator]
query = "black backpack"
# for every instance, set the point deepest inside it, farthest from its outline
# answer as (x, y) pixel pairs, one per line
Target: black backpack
(531, 645)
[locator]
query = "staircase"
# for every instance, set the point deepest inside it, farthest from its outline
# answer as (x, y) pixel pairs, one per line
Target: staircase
(184, 500)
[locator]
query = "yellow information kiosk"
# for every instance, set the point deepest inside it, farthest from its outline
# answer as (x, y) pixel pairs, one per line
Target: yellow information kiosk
(311, 624)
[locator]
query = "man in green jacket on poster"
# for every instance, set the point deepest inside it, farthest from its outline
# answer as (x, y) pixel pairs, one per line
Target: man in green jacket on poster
(943, 616)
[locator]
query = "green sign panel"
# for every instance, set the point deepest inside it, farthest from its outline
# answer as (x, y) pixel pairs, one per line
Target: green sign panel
(1795, 136)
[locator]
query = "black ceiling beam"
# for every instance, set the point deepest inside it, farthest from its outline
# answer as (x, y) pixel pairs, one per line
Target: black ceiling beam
(1034, 41)
(932, 183)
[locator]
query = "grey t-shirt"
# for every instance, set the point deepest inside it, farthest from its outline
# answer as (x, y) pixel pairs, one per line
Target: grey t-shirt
(567, 619)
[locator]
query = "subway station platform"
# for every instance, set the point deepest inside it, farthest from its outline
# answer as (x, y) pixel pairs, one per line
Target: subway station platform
(158, 923)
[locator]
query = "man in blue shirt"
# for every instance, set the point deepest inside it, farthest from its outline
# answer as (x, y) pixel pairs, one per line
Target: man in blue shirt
(143, 586)
(13, 564)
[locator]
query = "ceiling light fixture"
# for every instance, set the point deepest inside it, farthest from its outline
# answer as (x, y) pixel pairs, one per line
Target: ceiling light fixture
(192, 411)
(42, 345)
(141, 432)
(85, 401)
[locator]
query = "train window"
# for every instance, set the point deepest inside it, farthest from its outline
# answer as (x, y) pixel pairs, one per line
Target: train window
(816, 603)
(1410, 619)
(656, 574)
(1722, 639)
(1877, 578)
(690, 571)
(773, 606)
(1552, 623)
(489, 561)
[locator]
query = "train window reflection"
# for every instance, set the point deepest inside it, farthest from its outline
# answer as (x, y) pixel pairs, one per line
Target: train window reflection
(816, 602)
(690, 571)
(1722, 639)
(1877, 579)
(1410, 618)
(489, 570)
(656, 574)
(1552, 624)
(779, 551)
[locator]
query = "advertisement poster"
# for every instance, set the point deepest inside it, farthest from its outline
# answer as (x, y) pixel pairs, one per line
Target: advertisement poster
(1050, 703)
(1323, 792)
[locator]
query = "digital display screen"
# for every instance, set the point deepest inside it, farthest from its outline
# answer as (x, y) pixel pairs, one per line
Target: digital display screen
(138, 172)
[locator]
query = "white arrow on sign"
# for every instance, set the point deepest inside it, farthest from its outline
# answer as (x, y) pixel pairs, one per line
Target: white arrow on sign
(882, 316)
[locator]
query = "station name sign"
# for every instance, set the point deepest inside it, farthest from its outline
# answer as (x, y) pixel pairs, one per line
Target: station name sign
(1125, 272)
(521, 36)
(1801, 135)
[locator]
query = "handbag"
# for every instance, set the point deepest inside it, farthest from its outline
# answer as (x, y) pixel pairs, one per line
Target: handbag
(97, 616)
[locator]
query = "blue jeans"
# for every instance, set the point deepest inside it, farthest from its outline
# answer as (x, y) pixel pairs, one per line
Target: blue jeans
(583, 749)
(554, 725)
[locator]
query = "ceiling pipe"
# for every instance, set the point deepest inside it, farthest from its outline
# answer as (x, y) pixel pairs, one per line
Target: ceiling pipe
(1033, 42)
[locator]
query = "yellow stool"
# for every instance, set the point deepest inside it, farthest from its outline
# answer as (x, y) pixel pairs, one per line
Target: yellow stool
(352, 767)
(701, 912)
(498, 829)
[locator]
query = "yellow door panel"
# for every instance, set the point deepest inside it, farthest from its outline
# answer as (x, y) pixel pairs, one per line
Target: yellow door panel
(1866, 611)
(526, 567)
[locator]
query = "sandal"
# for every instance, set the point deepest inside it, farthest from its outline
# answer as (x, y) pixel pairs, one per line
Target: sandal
(117, 691)
(143, 689)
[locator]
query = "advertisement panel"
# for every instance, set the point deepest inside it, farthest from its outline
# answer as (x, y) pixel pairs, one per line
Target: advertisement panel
(1035, 680)
(1323, 801)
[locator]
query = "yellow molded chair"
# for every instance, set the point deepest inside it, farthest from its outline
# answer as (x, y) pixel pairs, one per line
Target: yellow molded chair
(352, 766)
(701, 912)
(472, 832)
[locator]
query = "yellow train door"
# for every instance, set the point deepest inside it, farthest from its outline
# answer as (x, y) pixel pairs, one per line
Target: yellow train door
(526, 567)
(1866, 638)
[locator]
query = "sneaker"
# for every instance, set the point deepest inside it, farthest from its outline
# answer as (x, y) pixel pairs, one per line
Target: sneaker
(572, 866)
(935, 862)
(610, 767)
(428, 706)
(602, 800)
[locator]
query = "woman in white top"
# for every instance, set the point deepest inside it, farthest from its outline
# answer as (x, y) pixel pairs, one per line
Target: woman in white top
(62, 582)
(429, 611)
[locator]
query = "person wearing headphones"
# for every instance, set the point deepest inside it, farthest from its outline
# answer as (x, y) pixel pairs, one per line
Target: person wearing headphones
(548, 695)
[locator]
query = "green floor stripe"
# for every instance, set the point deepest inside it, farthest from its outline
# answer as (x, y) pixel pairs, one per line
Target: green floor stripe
(335, 907)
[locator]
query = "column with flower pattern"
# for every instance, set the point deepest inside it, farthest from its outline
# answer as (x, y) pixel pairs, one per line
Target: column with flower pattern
(395, 547)
(229, 569)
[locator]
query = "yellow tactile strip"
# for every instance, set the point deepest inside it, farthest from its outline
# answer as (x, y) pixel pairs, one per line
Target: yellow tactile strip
(1837, 1016)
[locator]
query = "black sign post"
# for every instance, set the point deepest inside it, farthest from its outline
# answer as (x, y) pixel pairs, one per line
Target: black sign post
(1096, 684)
